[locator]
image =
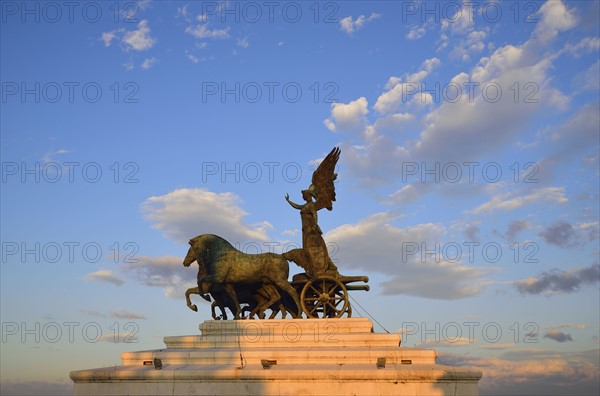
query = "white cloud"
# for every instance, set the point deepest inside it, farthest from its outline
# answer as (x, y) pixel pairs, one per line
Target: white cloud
(461, 21)
(243, 42)
(291, 233)
(108, 37)
(348, 117)
(202, 31)
(139, 40)
(533, 371)
(415, 33)
(350, 25)
(554, 18)
(148, 63)
(409, 193)
(460, 31)
(475, 40)
(166, 272)
(375, 244)
(514, 200)
(585, 45)
(104, 276)
(403, 89)
(49, 156)
(184, 213)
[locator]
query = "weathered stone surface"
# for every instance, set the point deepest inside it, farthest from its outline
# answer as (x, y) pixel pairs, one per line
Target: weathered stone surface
(322, 357)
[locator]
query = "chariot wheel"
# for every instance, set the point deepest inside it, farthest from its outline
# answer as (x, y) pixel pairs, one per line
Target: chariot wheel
(325, 297)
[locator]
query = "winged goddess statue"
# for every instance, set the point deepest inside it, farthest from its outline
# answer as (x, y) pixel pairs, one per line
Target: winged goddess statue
(313, 256)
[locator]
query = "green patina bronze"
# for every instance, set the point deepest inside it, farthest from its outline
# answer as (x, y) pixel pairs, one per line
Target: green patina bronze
(230, 278)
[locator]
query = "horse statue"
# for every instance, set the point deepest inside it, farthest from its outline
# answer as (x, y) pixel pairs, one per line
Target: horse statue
(258, 297)
(223, 266)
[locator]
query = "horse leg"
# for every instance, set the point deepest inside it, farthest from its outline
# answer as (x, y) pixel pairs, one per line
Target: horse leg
(234, 300)
(283, 311)
(284, 285)
(193, 290)
(271, 297)
(220, 301)
(213, 310)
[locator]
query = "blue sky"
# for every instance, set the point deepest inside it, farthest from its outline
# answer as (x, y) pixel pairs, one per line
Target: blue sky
(467, 188)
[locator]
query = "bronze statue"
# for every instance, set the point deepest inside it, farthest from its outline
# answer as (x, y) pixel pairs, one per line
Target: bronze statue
(260, 281)
(313, 256)
(225, 266)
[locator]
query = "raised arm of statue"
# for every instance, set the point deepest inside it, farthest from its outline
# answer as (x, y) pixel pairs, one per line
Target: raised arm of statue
(294, 205)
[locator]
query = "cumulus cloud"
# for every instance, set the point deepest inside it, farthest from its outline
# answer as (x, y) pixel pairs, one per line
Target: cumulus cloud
(533, 371)
(350, 25)
(563, 234)
(466, 124)
(140, 39)
(104, 276)
(348, 116)
(148, 63)
(558, 336)
(557, 281)
(515, 200)
(291, 233)
(375, 244)
(560, 234)
(406, 88)
(184, 213)
(137, 40)
(108, 37)
(554, 18)
(415, 33)
(166, 272)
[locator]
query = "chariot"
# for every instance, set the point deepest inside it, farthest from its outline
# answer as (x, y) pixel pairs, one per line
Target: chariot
(326, 296)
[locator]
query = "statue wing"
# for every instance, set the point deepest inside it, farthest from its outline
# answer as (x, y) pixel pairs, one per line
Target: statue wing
(322, 180)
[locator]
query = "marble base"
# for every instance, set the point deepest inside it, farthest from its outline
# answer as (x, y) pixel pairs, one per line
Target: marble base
(306, 357)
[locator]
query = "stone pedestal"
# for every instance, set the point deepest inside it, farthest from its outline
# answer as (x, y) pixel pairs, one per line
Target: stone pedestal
(280, 357)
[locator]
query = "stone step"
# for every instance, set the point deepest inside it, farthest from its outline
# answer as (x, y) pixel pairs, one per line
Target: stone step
(277, 326)
(283, 356)
(320, 357)
(337, 373)
(302, 340)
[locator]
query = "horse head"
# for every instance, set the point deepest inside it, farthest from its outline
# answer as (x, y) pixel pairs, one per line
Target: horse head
(191, 255)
